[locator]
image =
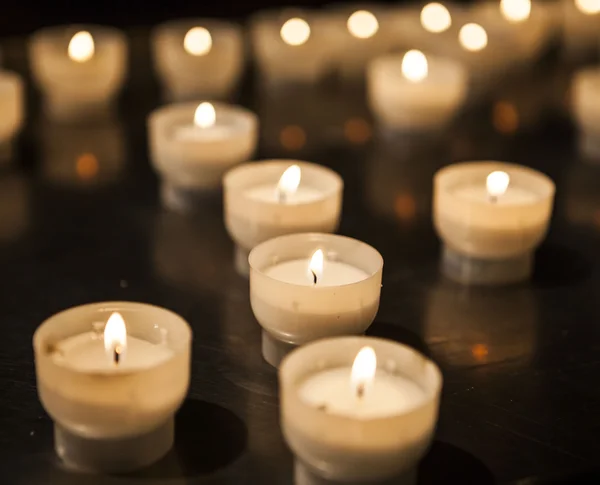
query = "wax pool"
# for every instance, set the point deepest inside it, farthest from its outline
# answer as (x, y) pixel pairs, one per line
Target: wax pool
(334, 273)
(269, 193)
(513, 195)
(388, 395)
(192, 132)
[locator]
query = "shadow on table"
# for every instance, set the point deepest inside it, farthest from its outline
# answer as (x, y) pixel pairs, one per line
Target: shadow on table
(557, 265)
(399, 334)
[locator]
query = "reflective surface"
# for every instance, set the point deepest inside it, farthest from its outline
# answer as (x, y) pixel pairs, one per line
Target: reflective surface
(81, 221)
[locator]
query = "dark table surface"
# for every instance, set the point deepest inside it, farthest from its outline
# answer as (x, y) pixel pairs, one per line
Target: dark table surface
(80, 221)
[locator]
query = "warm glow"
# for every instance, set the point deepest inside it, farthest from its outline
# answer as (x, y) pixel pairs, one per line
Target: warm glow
(588, 7)
(405, 207)
(315, 267)
(295, 31)
(515, 10)
(480, 351)
(197, 41)
(205, 115)
(435, 18)
(86, 166)
(363, 370)
(292, 137)
(289, 181)
(497, 183)
(363, 24)
(115, 337)
(505, 117)
(473, 37)
(414, 66)
(357, 130)
(81, 47)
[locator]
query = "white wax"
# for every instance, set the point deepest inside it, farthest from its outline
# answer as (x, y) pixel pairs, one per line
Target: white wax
(269, 193)
(191, 132)
(85, 352)
(514, 195)
(388, 395)
(334, 273)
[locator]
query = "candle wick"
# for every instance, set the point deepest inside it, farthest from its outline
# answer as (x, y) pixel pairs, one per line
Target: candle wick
(493, 199)
(314, 276)
(117, 354)
(281, 196)
(360, 390)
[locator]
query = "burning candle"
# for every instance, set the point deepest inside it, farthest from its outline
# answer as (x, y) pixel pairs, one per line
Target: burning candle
(415, 92)
(308, 286)
(12, 107)
(266, 199)
(491, 217)
(193, 145)
(358, 408)
(79, 72)
(198, 58)
(111, 376)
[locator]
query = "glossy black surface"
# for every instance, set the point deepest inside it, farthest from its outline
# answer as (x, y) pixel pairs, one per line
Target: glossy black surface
(80, 221)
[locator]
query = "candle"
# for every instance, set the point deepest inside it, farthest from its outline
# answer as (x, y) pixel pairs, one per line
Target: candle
(12, 107)
(198, 58)
(586, 109)
(308, 286)
(290, 46)
(491, 216)
(112, 375)
(79, 72)
(358, 409)
(271, 198)
(581, 23)
(192, 146)
(414, 92)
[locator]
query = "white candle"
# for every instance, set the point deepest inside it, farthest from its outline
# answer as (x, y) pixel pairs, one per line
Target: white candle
(358, 409)
(112, 390)
(300, 293)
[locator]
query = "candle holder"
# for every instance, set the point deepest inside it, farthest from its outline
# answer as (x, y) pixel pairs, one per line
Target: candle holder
(586, 110)
(254, 213)
(294, 309)
(108, 418)
(79, 69)
(191, 153)
(198, 58)
(414, 92)
(84, 155)
(490, 237)
(290, 46)
(336, 442)
(12, 108)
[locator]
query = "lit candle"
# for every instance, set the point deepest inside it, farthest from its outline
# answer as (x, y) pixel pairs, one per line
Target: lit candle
(198, 58)
(491, 217)
(473, 37)
(80, 74)
(12, 101)
(358, 409)
(266, 199)
(308, 286)
(193, 145)
(112, 387)
(585, 104)
(289, 46)
(414, 92)
(435, 18)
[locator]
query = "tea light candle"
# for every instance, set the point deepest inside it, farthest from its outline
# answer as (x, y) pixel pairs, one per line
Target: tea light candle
(192, 146)
(271, 198)
(491, 216)
(415, 92)
(304, 287)
(78, 72)
(198, 58)
(12, 108)
(112, 375)
(586, 109)
(358, 409)
(581, 24)
(290, 46)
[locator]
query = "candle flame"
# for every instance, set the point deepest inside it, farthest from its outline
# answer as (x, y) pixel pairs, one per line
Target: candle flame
(497, 183)
(515, 10)
(588, 7)
(295, 31)
(363, 24)
(435, 18)
(81, 47)
(197, 41)
(315, 267)
(414, 66)
(205, 115)
(363, 371)
(115, 337)
(473, 37)
(289, 181)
